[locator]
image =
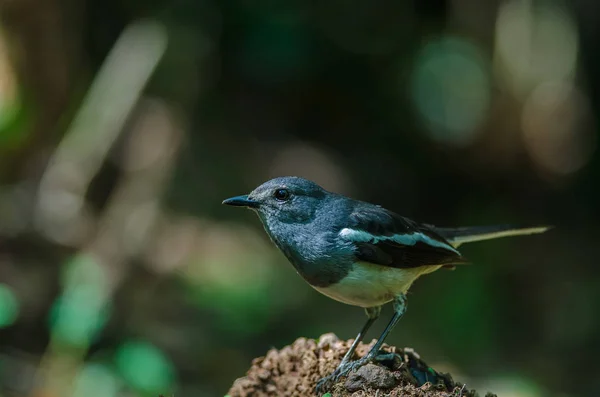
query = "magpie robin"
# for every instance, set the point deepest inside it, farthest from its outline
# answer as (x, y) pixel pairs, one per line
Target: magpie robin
(356, 252)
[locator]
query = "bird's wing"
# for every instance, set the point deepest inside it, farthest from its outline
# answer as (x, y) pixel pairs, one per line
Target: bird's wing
(385, 238)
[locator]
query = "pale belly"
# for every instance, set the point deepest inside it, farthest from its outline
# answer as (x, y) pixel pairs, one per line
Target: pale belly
(369, 285)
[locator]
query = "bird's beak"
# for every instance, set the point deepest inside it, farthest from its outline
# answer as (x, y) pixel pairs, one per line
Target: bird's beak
(241, 201)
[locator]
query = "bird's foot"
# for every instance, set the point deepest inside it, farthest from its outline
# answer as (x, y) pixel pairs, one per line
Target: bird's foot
(382, 357)
(325, 383)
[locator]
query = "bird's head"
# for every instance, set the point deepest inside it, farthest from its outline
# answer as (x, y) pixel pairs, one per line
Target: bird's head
(286, 199)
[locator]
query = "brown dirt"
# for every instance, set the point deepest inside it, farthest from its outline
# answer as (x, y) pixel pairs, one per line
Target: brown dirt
(294, 371)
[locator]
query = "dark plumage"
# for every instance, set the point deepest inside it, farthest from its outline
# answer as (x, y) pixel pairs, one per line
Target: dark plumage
(378, 221)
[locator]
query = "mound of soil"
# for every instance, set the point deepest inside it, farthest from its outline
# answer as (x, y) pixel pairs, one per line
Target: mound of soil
(295, 370)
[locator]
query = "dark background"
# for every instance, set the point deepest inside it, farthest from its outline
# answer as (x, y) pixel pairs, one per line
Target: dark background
(124, 124)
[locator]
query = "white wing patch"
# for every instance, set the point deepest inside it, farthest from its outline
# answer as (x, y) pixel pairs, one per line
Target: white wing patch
(404, 239)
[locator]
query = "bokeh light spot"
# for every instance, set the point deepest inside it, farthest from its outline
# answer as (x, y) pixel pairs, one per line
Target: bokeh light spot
(10, 102)
(145, 367)
(78, 315)
(451, 90)
(9, 306)
(82, 310)
(96, 380)
(535, 43)
(83, 269)
(557, 128)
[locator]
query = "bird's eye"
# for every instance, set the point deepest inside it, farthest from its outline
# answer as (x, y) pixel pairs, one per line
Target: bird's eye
(281, 194)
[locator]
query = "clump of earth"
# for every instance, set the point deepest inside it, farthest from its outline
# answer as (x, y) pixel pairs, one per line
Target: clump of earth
(295, 370)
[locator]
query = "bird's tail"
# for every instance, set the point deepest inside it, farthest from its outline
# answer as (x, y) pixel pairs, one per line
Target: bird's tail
(461, 235)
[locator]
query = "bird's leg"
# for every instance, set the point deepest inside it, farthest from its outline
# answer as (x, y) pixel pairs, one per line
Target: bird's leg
(399, 309)
(372, 315)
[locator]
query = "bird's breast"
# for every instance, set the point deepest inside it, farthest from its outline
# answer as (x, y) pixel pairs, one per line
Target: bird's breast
(369, 285)
(315, 256)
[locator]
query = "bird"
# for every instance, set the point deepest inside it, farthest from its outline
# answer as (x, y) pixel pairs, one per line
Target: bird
(358, 253)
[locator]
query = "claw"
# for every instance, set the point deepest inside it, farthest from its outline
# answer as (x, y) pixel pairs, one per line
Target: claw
(325, 383)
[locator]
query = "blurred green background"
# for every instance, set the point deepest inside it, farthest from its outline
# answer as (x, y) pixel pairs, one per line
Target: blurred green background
(124, 124)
